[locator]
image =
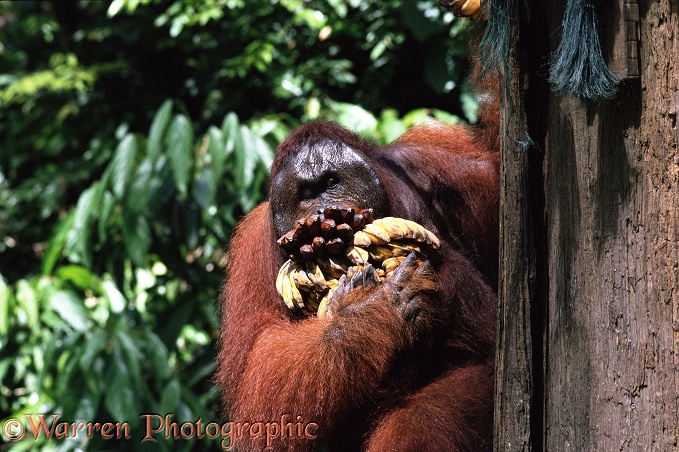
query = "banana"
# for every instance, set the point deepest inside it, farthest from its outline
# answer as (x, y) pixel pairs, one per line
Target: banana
(333, 283)
(302, 280)
(377, 234)
(322, 311)
(362, 239)
(471, 9)
(396, 229)
(314, 273)
(391, 264)
(357, 255)
(412, 230)
(283, 285)
(324, 247)
(294, 291)
(403, 248)
(380, 252)
(335, 267)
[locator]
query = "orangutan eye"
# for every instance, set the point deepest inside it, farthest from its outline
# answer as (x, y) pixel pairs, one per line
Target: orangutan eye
(332, 182)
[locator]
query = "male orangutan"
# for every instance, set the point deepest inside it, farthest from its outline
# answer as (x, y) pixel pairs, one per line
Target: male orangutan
(403, 364)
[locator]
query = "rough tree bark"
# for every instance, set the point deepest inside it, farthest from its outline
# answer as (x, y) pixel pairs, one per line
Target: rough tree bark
(594, 266)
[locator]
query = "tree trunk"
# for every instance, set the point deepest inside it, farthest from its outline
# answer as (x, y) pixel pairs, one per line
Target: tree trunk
(597, 364)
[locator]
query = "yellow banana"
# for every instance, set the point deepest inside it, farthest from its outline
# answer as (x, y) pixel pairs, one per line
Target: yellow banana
(322, 308)
(391, 264)
(395, 229)
(302, 280)
(332, 283)
(333, 266)
(294, 291)
(380, 252)
(283, 285)
(403, 248)
(314, 273)
(377, 234)
(357, 255)
(361, 239)
(414, 230)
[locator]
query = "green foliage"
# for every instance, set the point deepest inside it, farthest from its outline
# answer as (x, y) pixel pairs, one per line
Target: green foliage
(122, 324)
(64, 74)
(133, 136)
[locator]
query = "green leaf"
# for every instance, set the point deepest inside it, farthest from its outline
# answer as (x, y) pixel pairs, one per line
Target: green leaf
(179, 142)
(93, 346)
(107, 204)
(123, 164)
(417, 17)
(205, 188)
(137, 236)
(121, 400)
(259, 147)
(158, 128)
(56, 244)
(5, 297)
(70, 309)
(86, 409)
(390, 126)
(115, 299)
(26, 299)
(80, 276)
(217, 151)
(158, 355)
(170, 397)
(78, 246)
(140, 190)
(354, 117)
(246, 159)
(230, 126)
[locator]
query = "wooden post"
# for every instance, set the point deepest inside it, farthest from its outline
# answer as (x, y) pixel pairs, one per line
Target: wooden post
(592, 361)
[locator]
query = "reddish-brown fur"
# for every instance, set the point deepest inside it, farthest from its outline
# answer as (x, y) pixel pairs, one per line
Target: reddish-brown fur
(364, 379)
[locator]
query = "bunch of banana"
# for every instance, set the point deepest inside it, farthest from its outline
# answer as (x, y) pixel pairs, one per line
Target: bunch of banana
(324, 246)
(465, 8)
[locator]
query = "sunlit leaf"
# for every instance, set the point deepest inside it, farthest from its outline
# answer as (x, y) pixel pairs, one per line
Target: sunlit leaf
(470, 103)
(27, 300)
(217, 151)
(354, 117)
(70, 309)
(78, 244)
(56, 244)
(115, 299)
(5, 296)
(80, 276)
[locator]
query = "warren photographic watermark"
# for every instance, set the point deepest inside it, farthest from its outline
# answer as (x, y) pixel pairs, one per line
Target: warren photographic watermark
(14, 429)
(156, 426)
